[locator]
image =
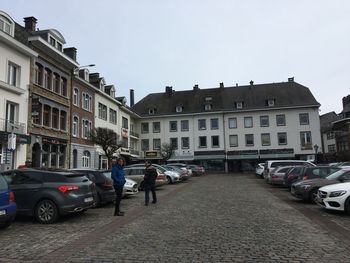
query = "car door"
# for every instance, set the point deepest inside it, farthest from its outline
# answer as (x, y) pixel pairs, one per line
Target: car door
(25, 187)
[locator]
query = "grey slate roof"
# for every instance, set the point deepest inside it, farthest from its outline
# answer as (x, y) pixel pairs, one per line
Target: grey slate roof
(284, 94)
(327, 119)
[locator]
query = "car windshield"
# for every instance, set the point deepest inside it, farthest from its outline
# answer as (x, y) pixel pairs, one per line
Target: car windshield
(336, 175)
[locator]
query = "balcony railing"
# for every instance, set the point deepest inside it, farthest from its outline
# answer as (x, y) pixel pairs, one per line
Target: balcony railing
(135, 134)
(135, 152)
(7, 125)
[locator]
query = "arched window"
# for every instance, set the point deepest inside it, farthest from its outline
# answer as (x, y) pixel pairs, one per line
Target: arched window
(6, 24)
(38, 74)
(76, 96)
(75, 158)
(86, 159)
(75, 127)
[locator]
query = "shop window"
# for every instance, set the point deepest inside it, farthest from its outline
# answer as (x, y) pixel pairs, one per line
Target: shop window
(86, 159)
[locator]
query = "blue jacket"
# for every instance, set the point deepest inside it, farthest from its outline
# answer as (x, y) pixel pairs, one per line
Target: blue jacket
(118, 175)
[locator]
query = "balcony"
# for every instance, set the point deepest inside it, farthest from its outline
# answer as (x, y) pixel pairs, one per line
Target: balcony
(134, 152)
(134, 134)
(7, 125)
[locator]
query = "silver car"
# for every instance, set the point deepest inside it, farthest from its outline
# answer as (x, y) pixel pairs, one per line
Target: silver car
(171, 176)
(130, 187)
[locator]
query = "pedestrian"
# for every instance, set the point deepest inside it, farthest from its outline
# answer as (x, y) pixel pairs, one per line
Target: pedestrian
(118, 177)
(150, 182)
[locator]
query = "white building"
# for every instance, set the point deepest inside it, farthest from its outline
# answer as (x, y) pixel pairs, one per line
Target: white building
(15, 61)
(231, 128)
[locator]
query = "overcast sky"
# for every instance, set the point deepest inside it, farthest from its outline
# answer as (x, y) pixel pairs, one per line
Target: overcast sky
(147, 45)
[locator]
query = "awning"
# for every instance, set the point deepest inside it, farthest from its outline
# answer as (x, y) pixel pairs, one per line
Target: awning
(242, 157)
(210, 157)
(181, 158)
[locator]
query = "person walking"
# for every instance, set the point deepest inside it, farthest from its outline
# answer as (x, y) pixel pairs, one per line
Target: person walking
(150, 182)
(118, 177)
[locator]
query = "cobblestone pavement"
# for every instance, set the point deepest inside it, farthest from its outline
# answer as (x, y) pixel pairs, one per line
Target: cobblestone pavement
(214, 218)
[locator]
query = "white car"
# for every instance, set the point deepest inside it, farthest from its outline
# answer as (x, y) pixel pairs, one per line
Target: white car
(335, 197)
(130, 187)
(259, 169)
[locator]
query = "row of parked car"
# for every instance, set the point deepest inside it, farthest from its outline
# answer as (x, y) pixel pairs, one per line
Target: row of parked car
(47, 194)
(326, 185)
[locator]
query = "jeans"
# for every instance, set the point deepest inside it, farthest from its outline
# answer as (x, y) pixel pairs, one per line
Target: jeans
(118, 197)
(150, 187)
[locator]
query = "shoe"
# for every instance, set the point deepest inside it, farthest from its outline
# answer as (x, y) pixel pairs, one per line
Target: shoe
(119, 214)
(154, 202)
(146, 204)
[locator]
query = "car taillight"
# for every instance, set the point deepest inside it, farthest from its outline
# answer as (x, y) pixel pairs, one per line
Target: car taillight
(107, 183)
(11, 197)
(66, 188)
(306, 177)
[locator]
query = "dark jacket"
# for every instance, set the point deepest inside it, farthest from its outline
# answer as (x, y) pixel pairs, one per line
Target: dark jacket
(118, 175)
(150, 174)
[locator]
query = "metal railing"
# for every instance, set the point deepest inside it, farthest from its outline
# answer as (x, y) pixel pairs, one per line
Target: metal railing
(135, 134)
(135, 152)
(7, 125)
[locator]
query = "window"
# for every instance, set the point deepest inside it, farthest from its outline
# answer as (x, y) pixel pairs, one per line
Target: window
(156, 127)
(12, 112)
(55, 118)
(248, 122)
(202, 124)
(281, 120)
(144, 144)
(156, 144)
(270, 102)
(13, 74)
(102, 111)
(215, 141)
(304, 118)
(87, 127)
(232, 123)
(185, 142)
(202, 141)
(233, 140)
(331, 148)
(76, 96)
(207, 107)
(63, 124)
(52, 41)
(173, 126)
(330, 135)
(239, 105)
(144, 127)
(151, 111)
(249, 139)
(265, 139)
(47, 116)
(56, 84)
(173, 143)
(125, 123)
(179, 108)
(264, 121)
(75, 158)
(214, 124)
(47, 79)
(5, 25)
(63, 87)
(59, 46)
(37, 111)
(87, 102)
(305, 140)
(86, 159)
(112, 116)
(38, 74)
(282, 138)
(184, 125)
(75, 127)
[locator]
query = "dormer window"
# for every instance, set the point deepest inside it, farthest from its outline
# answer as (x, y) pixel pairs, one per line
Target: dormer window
(270, 102)
(239, 104)
(86, 75)
(151, 111)
(207, 107)
(52, 42)
(55, 43)
(6, 24)
(102, 85)
(59, 46)
(179, 108)
(112, 93)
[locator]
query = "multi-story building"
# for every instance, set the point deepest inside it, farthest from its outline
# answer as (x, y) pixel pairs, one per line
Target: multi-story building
(231, 128)
(328, 136)
(82, 150)
(50, 95)
(341, 129)
(15, 60)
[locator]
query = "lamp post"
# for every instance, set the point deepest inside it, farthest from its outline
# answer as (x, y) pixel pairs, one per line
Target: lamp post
(316, 150)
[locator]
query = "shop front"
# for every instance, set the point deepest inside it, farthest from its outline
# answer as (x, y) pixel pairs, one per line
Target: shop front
(212, 161)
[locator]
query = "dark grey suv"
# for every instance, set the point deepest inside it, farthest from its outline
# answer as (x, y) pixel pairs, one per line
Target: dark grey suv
(46, 195)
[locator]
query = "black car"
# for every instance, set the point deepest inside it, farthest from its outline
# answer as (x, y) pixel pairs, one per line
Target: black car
(46, 195)
(104, 185)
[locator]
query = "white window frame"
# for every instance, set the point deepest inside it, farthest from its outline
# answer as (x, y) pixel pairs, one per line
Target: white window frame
(268, 139)
(156, 147)
(87, 101)
(246, 122)
(13, 74)
(182, 143)
(179, 108)
(76, 96)
(112, 116)
(86, 159)
(232, 142)
(199, 124)
(212, 127)
(75, 127)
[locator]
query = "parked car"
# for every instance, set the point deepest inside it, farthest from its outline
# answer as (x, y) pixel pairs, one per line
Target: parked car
(137, 174)
(272, 164)
(335, 197)
(104, 185)
(307, 189)
(183, 167)
(130, 187)
(276, 176)
(184, 175)
(46, 195)
(197, 170)
(298, 173)
(7, 204)
(172, 176)
(259, 170)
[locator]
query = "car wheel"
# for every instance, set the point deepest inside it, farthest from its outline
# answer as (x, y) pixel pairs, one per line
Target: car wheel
(347, 206)
(98, 200)
(313, 196)
(46, 212)
(169, 180)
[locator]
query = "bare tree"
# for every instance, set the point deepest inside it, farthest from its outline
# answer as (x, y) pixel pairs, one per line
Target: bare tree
(107, 139)
(167, 150)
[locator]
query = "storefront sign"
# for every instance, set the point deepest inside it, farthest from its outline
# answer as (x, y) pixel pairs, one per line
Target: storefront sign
(151, 154)
(20, 138)
(53, 141)
(277, 151)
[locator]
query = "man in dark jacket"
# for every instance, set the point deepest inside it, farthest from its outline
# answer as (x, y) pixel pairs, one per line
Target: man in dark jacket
(150, 182)
(118, 177)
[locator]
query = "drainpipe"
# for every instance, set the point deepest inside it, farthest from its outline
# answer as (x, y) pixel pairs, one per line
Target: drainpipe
(224, 133)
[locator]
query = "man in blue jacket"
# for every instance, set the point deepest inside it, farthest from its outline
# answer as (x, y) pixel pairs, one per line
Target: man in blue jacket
(118, 177)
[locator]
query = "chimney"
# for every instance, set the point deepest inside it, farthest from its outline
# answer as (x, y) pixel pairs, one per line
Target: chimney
(71, 52)
(346, 101)
(236, 84)
(251, 83)
(291, 79)
(132, 97)
(196, 87)
(30, 23)
(221, 85)
(169, 90)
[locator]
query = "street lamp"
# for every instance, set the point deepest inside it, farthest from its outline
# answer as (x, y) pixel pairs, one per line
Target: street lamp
(316, 150)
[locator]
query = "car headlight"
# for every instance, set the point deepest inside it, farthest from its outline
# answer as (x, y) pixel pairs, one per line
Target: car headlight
(128, 184)
(337, 193)
(305, 186)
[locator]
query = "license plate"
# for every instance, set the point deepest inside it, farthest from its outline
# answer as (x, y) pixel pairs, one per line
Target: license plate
(89, 199)
(2, 212)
